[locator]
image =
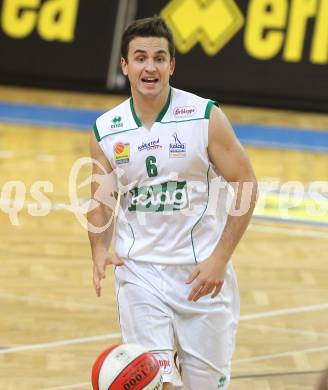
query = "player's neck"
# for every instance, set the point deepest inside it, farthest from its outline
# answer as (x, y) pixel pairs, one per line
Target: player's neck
(148, 108)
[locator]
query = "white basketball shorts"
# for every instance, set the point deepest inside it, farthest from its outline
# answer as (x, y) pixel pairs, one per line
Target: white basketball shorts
(154, 311)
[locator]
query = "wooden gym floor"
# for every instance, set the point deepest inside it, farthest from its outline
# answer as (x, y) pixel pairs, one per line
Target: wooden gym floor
(52, 326)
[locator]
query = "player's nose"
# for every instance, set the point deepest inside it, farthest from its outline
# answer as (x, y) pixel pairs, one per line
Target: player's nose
(150, 65)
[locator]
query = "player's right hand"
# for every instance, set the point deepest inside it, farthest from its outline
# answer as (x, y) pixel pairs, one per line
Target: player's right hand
(99, 269)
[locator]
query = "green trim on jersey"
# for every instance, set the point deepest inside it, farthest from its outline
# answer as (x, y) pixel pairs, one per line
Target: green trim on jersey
(95, 130)
(134, 114)
(122, 131)
(209, 106)
(208, 195)
(117, 300)
(117, 132)
(132, 242)
(165, 108)
(183, 120)
(160, 115)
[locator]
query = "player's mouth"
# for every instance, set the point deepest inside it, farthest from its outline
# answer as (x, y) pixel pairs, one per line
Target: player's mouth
(149, 80)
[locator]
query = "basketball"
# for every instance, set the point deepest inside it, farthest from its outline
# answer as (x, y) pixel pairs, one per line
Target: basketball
(119, 148)
(126, 367)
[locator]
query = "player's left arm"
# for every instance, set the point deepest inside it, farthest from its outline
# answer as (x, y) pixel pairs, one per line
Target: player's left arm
(229, 158)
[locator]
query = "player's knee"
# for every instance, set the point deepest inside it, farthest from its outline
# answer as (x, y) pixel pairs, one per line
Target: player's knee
(197, 374)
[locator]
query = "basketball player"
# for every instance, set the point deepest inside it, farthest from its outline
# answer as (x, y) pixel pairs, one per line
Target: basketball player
(175, 283)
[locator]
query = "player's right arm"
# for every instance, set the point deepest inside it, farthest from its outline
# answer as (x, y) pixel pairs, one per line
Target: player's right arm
(100, 214)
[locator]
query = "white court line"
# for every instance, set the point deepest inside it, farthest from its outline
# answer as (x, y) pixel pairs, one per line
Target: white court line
(278, 355)
(283, 312)
(69, 305)
(33, 347)
(286, 230)
(74, 386)
(284, 330)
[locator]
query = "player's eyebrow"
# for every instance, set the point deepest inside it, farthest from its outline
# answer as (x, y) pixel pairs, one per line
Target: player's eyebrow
(140, 51)
(161, 51)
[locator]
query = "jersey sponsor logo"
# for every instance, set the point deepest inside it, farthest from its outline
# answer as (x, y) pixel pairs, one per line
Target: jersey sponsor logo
(150, 145)
(168, 196)
(177, 148)
(164, 362)
(122, 152)
(116, 122)
(184, 112)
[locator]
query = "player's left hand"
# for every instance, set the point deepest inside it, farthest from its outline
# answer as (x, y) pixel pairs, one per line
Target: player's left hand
(209, 277)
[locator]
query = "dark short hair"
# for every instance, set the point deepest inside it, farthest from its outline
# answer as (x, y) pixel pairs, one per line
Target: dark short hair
(147, 27)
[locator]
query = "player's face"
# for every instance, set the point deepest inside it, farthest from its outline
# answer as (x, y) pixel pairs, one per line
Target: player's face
(149, 66)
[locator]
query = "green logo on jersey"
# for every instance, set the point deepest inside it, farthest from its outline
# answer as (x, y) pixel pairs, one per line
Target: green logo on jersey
(167, 196)
(116, 122)
(222, 382)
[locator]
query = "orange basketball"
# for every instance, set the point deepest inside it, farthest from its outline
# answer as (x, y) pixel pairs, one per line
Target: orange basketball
(119, 148)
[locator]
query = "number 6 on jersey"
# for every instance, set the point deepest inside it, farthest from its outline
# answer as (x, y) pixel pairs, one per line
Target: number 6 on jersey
(151, 166)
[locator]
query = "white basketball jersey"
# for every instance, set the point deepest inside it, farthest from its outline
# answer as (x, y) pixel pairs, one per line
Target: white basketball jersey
(167, 180)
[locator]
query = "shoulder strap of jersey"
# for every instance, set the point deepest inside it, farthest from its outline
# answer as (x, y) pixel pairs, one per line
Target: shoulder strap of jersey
(118, 120)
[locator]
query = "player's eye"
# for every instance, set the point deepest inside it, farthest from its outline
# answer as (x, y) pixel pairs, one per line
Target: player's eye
(140, 59)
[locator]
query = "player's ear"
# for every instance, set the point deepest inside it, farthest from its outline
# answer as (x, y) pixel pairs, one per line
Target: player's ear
(172, 66)
(124, 66)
